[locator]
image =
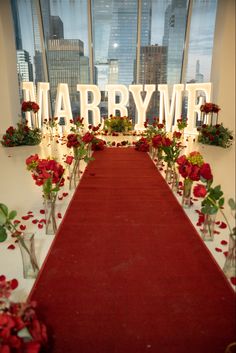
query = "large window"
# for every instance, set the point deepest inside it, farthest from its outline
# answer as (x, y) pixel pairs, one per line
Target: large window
(65, 41)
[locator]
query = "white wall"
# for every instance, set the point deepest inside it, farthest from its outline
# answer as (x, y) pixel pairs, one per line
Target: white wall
(223, 62)
(9, 94)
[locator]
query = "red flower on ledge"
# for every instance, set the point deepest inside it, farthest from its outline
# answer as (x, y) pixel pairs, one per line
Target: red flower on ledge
(29, 106)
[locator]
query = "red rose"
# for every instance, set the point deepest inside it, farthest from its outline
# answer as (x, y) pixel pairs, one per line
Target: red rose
(205, 171)
(34, 107)
(157, 141)
(160, 126)
(166, 142)
(177, 134)
(199, 190)
(181, 160)
(88, 137)
(185, 169)
(195, 173)
(32, 158)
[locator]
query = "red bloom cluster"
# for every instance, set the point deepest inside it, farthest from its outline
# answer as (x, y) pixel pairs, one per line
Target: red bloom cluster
(157, 141)
(29, 106)
(200, 190)
(77, 120)
(142, 145)
(98, 144)
(69, 160)
(44, 169)
(6, 287)
(193, 171)
(209, 108)
(88, 137)
(94, 128)
(72, 141)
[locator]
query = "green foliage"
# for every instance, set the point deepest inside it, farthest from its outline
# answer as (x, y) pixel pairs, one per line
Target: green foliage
(118, 124)
(214, 200)
(6, 218)
(21, 135)
(216, 135)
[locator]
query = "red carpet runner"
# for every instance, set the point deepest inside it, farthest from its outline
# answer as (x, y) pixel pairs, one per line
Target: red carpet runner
(128, 273)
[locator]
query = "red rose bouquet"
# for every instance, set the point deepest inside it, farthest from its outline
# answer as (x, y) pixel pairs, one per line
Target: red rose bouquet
(49, 174)
(182, 124)
(31, 107)
(20, 328)
(142, 145)
(154, 128)
(21, 135)
(77, 125)
(207, 111)
(98, 144)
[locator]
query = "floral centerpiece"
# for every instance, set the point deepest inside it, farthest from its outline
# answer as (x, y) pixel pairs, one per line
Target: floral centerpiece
(117, 124)
(98, 144)
(28, 106)
(216, 135)
(192, 168)
(25, 241)
(49, 174)
(142, 145)
(207, 111)
(21, 135)
(20, 329)
(182, 124)
(80, 152)
(154, 128)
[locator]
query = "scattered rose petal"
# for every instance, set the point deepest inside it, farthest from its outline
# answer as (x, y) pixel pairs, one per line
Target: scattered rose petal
(225, 253)
(29, 212)
(11, 247)
(59, 215)
(233, 280)
(65, 194)
(218, 249)
(16, 221)
(40, 225)
(223, 225)
(25, 218)
(42, 221)
(35, 221)
(60, 198)
(216, 232)
(217, 222)
(224, 242)
(42, 211)
(22, 227)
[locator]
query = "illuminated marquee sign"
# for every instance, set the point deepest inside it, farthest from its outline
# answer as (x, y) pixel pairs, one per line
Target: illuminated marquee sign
(170, 108)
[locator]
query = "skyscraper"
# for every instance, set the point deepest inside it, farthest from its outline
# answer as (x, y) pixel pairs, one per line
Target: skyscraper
(198, 76)
(123, 37)
(67, 64)
(56, 28)
(173, 39)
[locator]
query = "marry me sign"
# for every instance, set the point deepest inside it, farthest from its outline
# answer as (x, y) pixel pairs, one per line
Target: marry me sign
(90, 98)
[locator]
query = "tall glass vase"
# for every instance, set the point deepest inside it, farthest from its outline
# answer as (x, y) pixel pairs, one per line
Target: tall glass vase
(50, 215)
(175, 180)
(208, 227)
(230, 262)
(187, 190)
(169, 173)
(159, 158)
(27, 249)
(75, 174)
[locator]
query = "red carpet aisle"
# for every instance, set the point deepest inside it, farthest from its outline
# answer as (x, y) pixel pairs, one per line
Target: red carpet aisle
(128, 273)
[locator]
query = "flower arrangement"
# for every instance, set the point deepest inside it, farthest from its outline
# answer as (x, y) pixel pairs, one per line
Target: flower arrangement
(20, 329)
(142, 145)
(28, 106)
(182, 123)
(49, 174)
(21, 135)
(117, 124)
(98, 144)
(155, 128)
(207, 113)
(8, 225)
(77, 125)
(171, 148)
(216, 135)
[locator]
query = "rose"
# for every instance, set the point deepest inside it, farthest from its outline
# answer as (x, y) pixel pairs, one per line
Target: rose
(88, 137)
(200, 190)
(177, 134)
(72, 141)
(157, 141)
(195, 173)
(185, 169)
(166, 142)
(205, 172)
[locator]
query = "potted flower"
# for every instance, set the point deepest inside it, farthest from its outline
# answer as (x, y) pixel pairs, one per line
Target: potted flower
(49, 174)
(215, 135)
(117, 124)
(29, 106)
(21, 135)
(25, 241)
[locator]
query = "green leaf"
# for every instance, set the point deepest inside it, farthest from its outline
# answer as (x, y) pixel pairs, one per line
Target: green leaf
(213, 210)
(12, 215)
(221, 202)
(3, 234)
(232, 204)
(3, 209)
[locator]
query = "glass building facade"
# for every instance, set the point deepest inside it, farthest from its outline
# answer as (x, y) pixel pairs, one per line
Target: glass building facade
(114, 42)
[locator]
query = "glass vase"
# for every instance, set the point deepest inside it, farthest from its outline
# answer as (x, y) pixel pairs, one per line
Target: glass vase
(208, 227)
(230, 262)
(169, 173)
(89, 149)
(75, 174)
(159, 158)
(50, 215)
(175, 180)
(187, 190)
(152, 151)
(27, 249)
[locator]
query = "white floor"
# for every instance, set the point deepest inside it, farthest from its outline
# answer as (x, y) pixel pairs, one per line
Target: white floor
(18, 192)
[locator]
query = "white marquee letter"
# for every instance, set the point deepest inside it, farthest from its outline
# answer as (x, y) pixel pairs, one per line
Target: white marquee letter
(141, 105)
(42, 100)
(124, 98)
(167, 110)
(29, 95)
(85, 106)
(63, 99)
(194, 107)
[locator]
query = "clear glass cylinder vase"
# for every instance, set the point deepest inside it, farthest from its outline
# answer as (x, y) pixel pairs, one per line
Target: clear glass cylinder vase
(159, 157)
(74, 174)
(208, 227)
(29, 260)
(230, 262)
(169, 173)
(50, 215)
(187, 190)
(175, 180)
